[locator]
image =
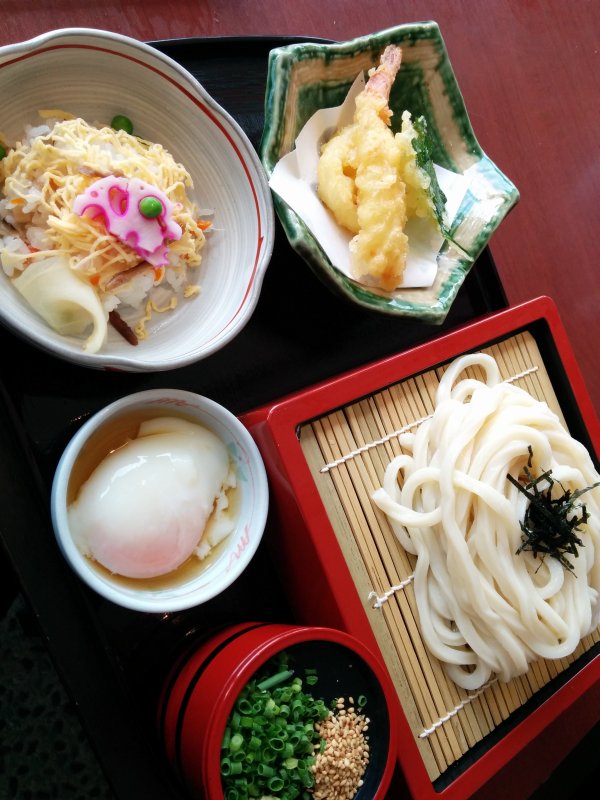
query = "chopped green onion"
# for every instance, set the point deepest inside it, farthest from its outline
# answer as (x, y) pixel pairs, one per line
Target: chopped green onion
(226, 739)
(269, 756)
(288, 750)
(2, 151)
(225, 766)
(243, 706)
(306, 777)
(361, 701)
(271, 709)
(270, 738)
(274, 680)
(276, 743)
(275, 784)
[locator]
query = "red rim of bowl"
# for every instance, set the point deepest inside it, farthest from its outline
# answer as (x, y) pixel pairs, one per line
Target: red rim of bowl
(251, 657)
(180, 683)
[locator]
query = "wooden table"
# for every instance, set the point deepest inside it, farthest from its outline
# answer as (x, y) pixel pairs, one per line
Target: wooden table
(529, 74)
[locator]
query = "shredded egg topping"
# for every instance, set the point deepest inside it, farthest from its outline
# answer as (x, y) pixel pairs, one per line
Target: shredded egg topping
(43, 175)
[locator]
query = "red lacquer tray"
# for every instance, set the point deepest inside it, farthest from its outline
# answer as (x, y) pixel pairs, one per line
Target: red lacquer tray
(319, 582)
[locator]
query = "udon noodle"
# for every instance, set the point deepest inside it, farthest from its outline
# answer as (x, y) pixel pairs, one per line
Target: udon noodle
(485, 610)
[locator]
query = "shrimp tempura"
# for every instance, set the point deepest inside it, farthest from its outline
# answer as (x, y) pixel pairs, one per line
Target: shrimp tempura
(359, 180)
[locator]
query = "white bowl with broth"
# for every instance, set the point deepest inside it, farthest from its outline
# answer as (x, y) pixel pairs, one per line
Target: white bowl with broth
(95, 75)
(102, 447)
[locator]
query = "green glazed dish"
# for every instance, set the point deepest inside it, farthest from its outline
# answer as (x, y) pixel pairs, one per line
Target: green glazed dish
(305, 77)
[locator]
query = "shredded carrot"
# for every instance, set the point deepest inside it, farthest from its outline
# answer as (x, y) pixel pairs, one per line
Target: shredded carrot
(204, 224)
(18, 201)
(95, 279)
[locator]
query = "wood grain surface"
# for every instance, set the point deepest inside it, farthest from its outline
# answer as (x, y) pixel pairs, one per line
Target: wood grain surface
(529, 71)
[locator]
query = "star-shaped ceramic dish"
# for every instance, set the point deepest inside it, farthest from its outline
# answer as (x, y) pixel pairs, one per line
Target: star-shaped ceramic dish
(305, 77)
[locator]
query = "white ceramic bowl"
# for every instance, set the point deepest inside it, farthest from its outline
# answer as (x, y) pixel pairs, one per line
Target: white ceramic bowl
(231, 556)
(96, 74)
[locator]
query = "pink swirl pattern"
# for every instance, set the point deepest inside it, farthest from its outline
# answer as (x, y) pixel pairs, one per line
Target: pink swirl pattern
(117, 200)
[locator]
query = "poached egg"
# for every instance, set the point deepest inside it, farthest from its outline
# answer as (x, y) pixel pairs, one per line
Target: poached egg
(145, 508)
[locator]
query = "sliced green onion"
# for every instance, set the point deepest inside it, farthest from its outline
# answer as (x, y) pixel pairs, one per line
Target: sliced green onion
(275, 680)
(276, 743)
(275, 783)
(306, 777)
(271, 709)
(254, 743)
(244, 706)
(226, 738)
(225, 766)
(270, 739)
(269, 755)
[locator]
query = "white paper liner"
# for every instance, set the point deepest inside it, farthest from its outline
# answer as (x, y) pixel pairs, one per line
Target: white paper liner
(294, 179)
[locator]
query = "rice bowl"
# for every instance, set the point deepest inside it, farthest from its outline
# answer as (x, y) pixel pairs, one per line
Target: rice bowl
(99, 204)
(228, 192)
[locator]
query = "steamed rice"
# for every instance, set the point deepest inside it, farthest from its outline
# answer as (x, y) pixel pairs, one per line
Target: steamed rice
(42, 174)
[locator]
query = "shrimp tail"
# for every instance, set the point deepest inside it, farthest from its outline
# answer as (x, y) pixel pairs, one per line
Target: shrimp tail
(382, 78)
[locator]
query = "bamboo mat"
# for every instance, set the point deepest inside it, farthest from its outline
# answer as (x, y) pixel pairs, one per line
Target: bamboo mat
(347, 452)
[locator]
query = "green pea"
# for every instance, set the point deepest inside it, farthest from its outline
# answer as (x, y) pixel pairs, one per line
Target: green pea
(150, 207)
(122, 123)
(2, 152)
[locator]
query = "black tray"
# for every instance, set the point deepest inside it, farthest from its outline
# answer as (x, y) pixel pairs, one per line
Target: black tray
(112, 660)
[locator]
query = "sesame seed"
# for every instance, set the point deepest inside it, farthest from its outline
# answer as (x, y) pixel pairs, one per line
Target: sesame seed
(339, 769)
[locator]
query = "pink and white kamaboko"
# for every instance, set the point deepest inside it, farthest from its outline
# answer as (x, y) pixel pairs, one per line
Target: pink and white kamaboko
(97, 228)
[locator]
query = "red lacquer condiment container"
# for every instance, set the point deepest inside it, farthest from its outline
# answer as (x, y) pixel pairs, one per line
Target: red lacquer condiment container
(199, 694)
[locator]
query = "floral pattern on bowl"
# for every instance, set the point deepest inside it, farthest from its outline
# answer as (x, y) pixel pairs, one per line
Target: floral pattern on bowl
(305, 77)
